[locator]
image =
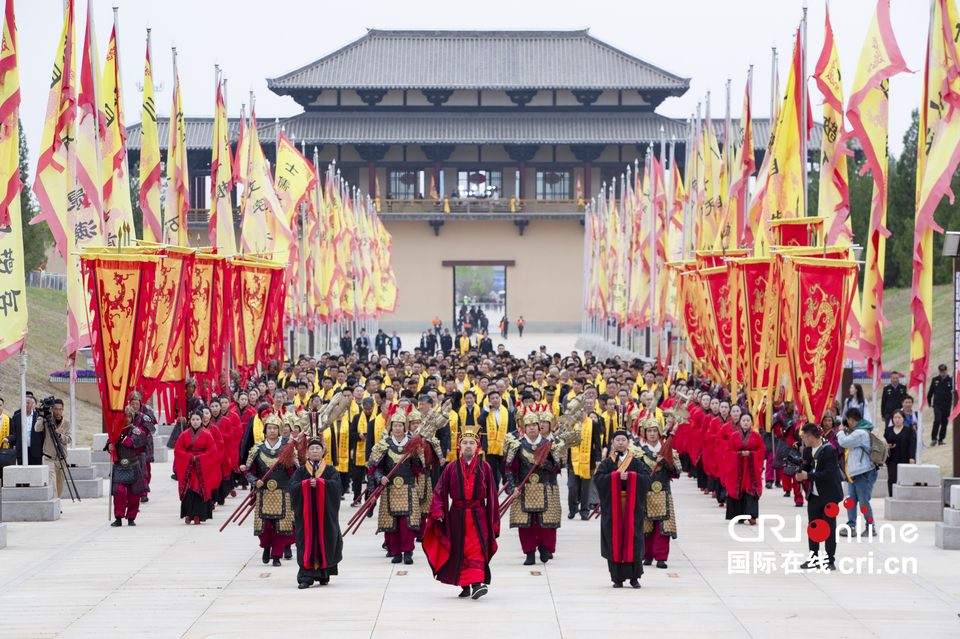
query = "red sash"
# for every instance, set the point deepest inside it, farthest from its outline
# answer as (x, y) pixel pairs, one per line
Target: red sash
(623, 516)
(314, 502)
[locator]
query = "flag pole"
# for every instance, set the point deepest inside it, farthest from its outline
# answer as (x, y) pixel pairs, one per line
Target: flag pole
(658, 311)
(23, 402)
(747, 191)
(803, 106)
(652, 248)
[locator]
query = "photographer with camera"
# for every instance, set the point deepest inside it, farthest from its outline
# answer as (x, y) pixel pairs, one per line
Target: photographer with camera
(49, 424)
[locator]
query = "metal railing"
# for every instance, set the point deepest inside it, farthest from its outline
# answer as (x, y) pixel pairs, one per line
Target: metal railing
(200, 218)
(42, 279)
(479, 207)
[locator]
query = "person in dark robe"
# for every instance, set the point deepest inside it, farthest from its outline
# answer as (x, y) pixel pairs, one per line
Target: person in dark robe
(197, 462)
(622, 482)
(743, 470)
(316, 490)
(145, 419)
(273, 516)
(464, 522)
(129, 480)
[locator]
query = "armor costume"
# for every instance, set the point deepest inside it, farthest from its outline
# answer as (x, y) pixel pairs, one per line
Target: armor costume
(660, 522)
(273, 512)
(129, 472)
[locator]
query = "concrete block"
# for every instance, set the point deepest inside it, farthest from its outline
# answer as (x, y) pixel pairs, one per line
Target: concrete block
(912, 510)
(3, 535)
(946, 537)
(99, 456)
(946, 484)
(26, 476)
(879, 487)
(78, 457)
(8, 495)
(48, 510)
(103, 468)
(161, 454)
(84, 473)
(916, 493)
(164, 430)
(86, 489)
(951, 517)
(918, 475)
(99, 442)
(955, 497)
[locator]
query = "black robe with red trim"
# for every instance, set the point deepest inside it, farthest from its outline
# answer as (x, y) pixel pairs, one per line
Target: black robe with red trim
(621, 524)
(316, 513)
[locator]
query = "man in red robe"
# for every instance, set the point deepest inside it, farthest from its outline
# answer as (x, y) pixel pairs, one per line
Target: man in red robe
(460, 539)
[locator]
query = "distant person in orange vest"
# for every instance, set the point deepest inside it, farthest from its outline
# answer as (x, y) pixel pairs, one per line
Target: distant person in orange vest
(520, 325)
(437, 324)
(504, 325)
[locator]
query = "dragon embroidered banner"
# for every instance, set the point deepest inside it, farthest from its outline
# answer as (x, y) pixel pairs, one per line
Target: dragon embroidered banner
(205, 320)
(817, 295)
(122, 293)
(751, 280)
(717, 288)
(259, 289)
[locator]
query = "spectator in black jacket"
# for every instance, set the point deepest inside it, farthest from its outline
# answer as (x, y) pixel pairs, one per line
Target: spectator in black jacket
(822, 470)
(346, 344)
(363, 345)
(446, 342)
(892, 398)
(940, 396)
(34, 441)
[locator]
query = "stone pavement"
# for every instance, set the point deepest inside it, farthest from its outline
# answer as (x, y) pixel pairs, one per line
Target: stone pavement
(80, 578)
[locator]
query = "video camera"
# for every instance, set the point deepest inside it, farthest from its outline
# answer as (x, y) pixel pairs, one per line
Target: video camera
(788, 459)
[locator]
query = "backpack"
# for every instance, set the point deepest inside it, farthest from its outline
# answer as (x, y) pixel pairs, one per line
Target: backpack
(879, 451)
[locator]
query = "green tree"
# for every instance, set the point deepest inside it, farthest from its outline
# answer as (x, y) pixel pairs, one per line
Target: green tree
(36, 238)
(901, 207)
(135, 199)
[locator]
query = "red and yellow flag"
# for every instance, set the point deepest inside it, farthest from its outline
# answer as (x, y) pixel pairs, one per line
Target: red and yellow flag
(387, 299)
(834, 202)
(241, 162)
(117, 211)
(205, 318)
(178, 178)
(818, 293)
(867, 111)
(262, 212)
(13, 328)
(783, 194)
(150, 161)
(295, 177)
(755, 228)
(742, 168)
(221, 183)
(710, 185)
(937, 157)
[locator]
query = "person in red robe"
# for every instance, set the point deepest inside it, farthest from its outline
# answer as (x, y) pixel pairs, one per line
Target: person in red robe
(464, 522)
(743, 466)
(197, 462)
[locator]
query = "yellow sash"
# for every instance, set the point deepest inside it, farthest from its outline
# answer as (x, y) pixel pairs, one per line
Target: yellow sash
(361, 459)
(496, 434)
(580, 455)
(257, 430)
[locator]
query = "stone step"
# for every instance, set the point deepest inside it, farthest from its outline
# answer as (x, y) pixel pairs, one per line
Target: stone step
(11, 494)
(84, 473)
(100, 457)
(78, 456)
(47, 510)
(3, 535)
(955, 497)
(951, 517)
(34, 476)
(103, 468)
(99, 442)
(164, 430)
(946, 537)
(916, 493)
(918, 475)
(912, 510)
(161, 454)
(86, 489)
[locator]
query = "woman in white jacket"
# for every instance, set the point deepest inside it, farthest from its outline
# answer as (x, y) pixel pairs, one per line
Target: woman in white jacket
(855, 400)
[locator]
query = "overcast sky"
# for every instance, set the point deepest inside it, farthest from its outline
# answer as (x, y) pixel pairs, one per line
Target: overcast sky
(705, 40)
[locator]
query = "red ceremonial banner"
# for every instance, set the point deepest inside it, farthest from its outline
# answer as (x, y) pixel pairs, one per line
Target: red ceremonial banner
(122, 290)
(260, 289)
(717, 287)
(751, 279)
(818, 294)
(204, 334)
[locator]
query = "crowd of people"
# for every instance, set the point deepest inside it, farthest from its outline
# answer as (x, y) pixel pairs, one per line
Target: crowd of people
(295, 441)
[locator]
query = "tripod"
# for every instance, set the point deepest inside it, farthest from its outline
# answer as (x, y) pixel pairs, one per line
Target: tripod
(62, 459)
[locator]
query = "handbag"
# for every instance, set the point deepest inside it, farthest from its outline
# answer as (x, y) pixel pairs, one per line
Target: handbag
(125, 474)
(8, 457)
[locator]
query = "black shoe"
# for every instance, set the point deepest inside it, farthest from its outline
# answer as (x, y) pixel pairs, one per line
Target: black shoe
(323, 582)
(585, 517)
(303, 585)
(618, 584)
(634, 583)
(933, 443)
(869, 531)
(479, 590)
(647, 562)
(131, 522)
(777, 483)
(571, 515)
(398, 558)
(545, 555)
(117, 522)
(173, 476)
(809, 565)
(266, 555)
(464, 592)
(287, 553)
(408, 557)
(276, 561)
(661, 563)
(769, 485)
(846, 532)
(786, 493)
(531, 559)
(831, 566)
(144, 499)
(799, 504)
(940, 443)
(389, 554)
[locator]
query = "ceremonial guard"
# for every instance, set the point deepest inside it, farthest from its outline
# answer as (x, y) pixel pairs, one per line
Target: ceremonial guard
(315, 491)
(145, 419)
(660, 523)
(622, 482)
(464, 523)
(536, 511)
(270, 472)
(399, 514)
(129, 481)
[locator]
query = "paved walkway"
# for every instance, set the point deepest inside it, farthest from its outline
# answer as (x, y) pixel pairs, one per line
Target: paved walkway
(80, 578)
